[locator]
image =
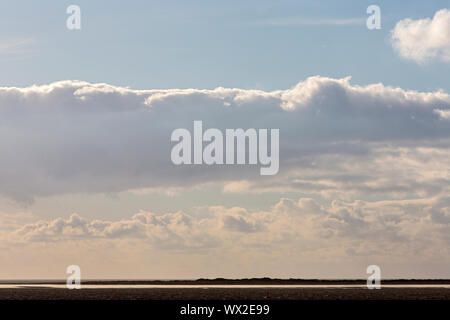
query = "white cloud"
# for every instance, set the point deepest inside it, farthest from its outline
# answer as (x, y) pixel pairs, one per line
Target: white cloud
(171, 230)
(424, 39)
(15, 47)
(389, 172)
(444, 114)
(408, 238)
(77, 137)
(361, 227)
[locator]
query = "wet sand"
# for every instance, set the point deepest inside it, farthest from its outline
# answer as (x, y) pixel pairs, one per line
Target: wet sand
(227, 289)
(41, 293)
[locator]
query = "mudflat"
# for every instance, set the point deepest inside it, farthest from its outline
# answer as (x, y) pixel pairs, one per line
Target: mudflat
(229, 293)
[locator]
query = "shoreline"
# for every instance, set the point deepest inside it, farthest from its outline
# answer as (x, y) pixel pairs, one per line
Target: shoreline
(234, 282)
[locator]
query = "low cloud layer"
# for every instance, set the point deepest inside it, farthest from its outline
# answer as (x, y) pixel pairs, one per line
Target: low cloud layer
(424, 40)
(380, 228)
(78, 137)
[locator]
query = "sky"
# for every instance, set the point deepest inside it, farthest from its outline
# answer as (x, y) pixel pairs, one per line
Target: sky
(86, 118)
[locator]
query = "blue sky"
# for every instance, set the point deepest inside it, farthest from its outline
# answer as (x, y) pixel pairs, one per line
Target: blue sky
(205, 44)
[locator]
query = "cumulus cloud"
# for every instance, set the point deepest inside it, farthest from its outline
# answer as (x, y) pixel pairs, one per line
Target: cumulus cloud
(424, 39)
(407, 237)
(78, 137)
(360, 227)
(171, 230)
